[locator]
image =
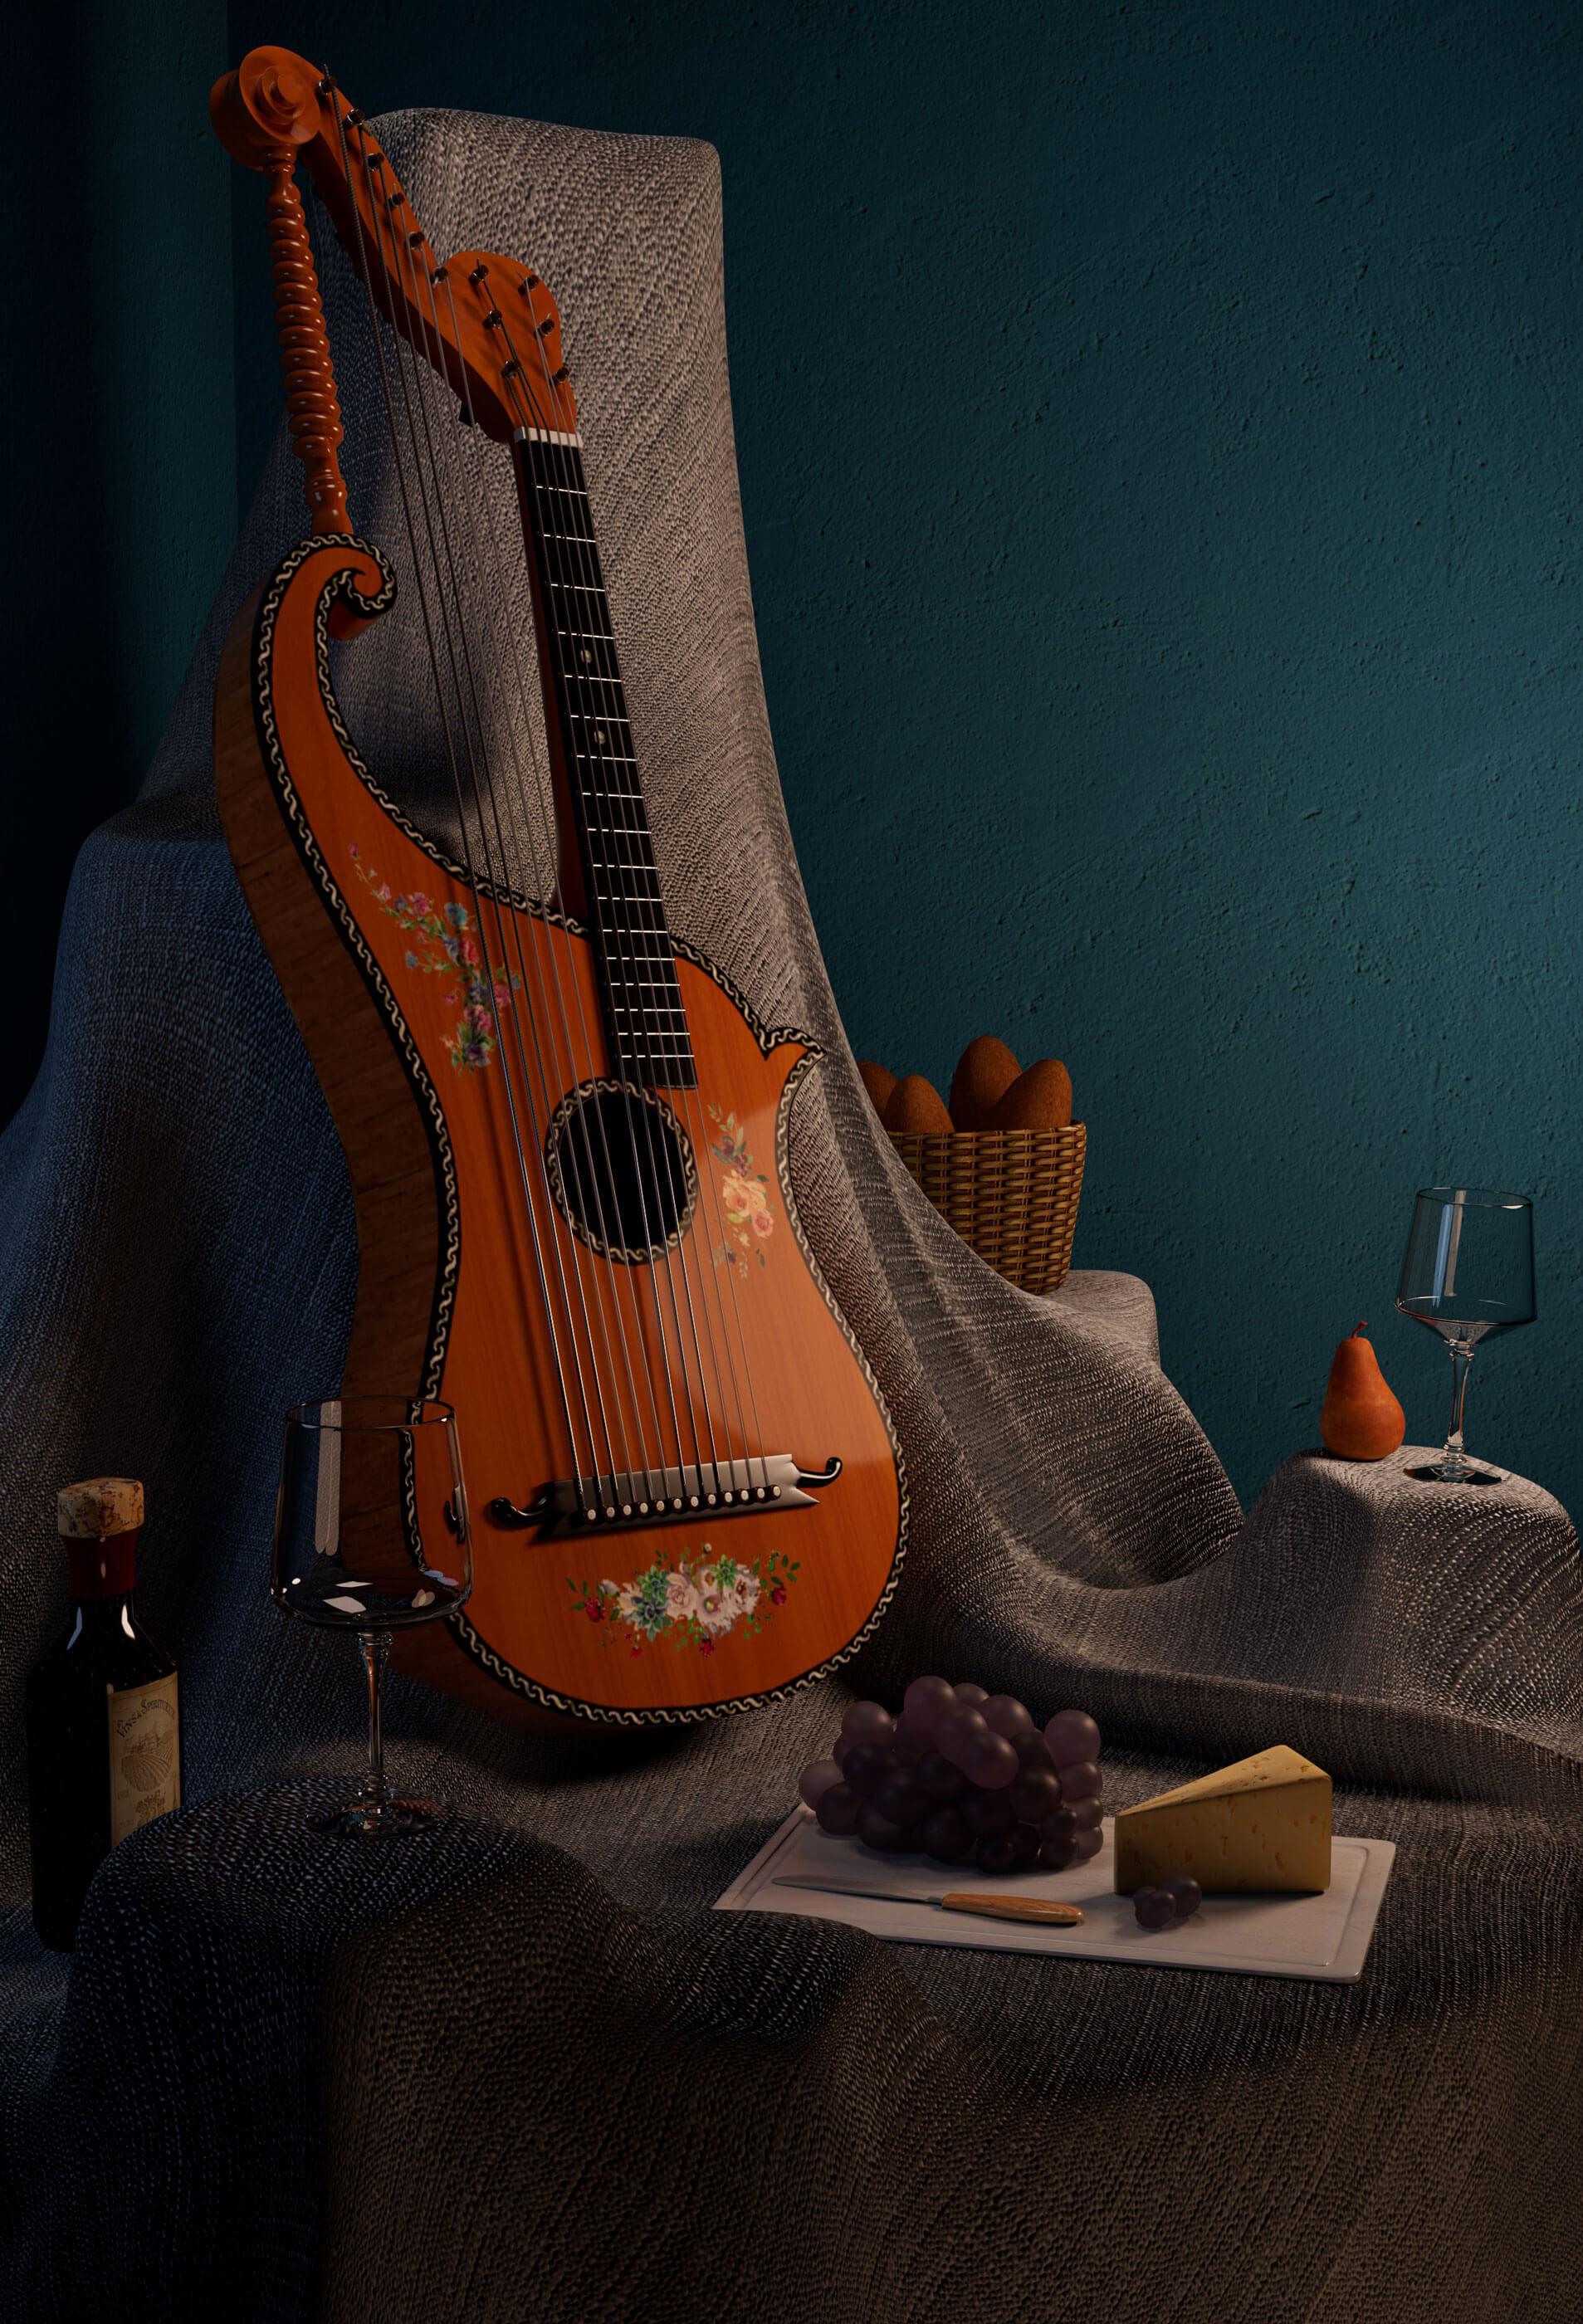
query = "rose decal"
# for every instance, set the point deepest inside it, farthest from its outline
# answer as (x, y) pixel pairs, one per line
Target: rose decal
(744, 1199)
(448, 948)
(697, 1602)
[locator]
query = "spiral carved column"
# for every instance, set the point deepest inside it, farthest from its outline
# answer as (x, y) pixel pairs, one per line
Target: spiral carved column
(312, 402)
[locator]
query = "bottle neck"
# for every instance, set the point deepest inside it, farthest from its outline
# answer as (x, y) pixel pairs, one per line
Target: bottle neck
(104, 1569)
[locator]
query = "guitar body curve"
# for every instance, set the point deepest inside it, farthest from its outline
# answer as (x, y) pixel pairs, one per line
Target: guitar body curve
(681, 1574)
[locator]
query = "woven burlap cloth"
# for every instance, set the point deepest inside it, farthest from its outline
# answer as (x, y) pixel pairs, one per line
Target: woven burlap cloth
(521, 2073)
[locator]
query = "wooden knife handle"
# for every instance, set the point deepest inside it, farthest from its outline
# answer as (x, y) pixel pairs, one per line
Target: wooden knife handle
(1013, 1908)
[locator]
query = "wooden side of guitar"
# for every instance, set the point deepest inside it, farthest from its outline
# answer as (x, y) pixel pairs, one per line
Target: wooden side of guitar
(449, 1301)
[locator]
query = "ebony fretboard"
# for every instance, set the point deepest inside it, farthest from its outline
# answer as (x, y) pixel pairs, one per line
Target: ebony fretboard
(644, 1022)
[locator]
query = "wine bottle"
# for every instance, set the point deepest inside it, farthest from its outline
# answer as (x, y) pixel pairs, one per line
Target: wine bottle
(103, 1746)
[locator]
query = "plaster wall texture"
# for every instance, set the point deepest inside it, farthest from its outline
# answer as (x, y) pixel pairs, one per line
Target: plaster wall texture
(1159, 431)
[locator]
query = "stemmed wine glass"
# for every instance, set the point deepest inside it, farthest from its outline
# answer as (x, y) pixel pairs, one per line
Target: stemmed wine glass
(372, 1536)
(1468, 1272)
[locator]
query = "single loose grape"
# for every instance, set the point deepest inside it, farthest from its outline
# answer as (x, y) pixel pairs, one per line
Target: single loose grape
(925, 1699)
(986, 1812)
(990, 1761)
(878, 1831)
(1055, 1854)
(1080, 1780)
(946, 1836)
(868, 1722)
(1154, 1908)
(902, 1797)
(975, 1696)
(1033, 1754)
(816, 1780)
(997, 1853)
(946, 1782)
(1089, 1815)
(867, 1765)
(1087, 1844)
(1071, 1735)
(1034, 1796)
(955, 1728)
(1007, 1716)
(1185, 1889)
(1059, 1828)
(837, 1811)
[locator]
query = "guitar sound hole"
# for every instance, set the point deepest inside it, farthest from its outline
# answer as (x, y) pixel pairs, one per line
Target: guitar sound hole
(622, 1171)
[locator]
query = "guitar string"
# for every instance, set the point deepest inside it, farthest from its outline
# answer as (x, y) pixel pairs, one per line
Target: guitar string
(353, 120)
(543, 792)
(371, 162)
(652, 1038)
(690, 1099)
(430, 388)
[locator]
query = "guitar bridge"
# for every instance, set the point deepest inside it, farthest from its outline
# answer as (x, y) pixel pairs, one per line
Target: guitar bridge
(657, 1497)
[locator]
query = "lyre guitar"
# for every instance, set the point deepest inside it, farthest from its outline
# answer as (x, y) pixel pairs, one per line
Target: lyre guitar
(566, 1132)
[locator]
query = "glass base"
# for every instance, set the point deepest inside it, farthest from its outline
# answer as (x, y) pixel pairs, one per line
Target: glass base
(372, 1818)
(1459, 1472)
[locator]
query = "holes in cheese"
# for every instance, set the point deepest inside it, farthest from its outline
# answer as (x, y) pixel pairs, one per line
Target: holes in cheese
(1262, 1823)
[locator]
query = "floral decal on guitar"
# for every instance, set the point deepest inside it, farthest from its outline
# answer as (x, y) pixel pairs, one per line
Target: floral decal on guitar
(749, 1213)
(449, 949)
(695, 1602)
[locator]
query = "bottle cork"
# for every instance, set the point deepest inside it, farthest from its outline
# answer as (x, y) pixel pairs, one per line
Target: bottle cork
(99, 1507)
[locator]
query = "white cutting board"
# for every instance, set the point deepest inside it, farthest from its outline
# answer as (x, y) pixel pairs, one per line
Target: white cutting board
(1324, 1938)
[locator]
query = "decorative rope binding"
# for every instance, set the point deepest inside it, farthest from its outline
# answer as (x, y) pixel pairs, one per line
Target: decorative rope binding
(263, 114)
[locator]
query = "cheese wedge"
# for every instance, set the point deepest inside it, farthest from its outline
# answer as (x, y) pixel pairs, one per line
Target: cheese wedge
(1263, 1822)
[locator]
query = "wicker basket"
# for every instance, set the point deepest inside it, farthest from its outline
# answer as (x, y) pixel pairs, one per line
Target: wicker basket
(1011, 1194)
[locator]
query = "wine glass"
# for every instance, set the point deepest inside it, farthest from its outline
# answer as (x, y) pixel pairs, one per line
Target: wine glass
(372, 1536)
(1468, 1272)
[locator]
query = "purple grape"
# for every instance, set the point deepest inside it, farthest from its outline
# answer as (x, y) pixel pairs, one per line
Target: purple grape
(970, 1694)
(877, 1832)
(946, 1782)
(1071, 1735)
(1035, 1796)
(1080, 1779)
(816, 1780)
(1087, 1844)
(1089, 1815)
(868, 1722)
(1007, 1716)
(867, 1765)
(837, 1811)
(1055, 1854)
(946, 1836)
(838, 1750)
(1154, 1908)
(989, 1761)
(997, 1853)
(925, 1699)
(912, 1743)
(986, 1813)
(1187, 1893)
(1025, 1841)
(955, 1728)
(902, 1797)
(1032, 1755)
(1060, 1828)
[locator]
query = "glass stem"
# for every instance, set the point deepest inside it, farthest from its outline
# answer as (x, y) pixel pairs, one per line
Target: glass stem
(373, 1791)
(1462, 1356)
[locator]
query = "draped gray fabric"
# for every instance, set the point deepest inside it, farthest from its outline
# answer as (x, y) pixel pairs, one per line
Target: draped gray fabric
(178, 1265)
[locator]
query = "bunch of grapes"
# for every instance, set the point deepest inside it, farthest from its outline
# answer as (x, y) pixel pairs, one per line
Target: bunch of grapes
(963, 1774)
(1176, 1899)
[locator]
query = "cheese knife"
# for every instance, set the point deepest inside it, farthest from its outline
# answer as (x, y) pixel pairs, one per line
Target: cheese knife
(956, 1900)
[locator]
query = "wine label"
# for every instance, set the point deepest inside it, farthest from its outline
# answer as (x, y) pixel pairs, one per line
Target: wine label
(145, 1758)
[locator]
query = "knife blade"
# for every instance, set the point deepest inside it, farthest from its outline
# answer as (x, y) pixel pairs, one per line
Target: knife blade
(953, 1900)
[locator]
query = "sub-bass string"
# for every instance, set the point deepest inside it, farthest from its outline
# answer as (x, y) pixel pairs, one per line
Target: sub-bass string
(451, 619)
(591, 580)
(360, 260)
(429, 377)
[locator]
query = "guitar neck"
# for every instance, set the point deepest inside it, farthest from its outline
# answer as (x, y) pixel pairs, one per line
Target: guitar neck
(645, 1024)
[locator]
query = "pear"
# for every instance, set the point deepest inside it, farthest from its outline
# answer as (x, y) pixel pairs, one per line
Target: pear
(1039, 1098)
(1361, 1420)
(914, 1105)
(985, 1072)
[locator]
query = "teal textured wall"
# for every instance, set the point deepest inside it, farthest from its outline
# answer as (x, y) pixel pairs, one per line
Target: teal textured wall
(1159, 443)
